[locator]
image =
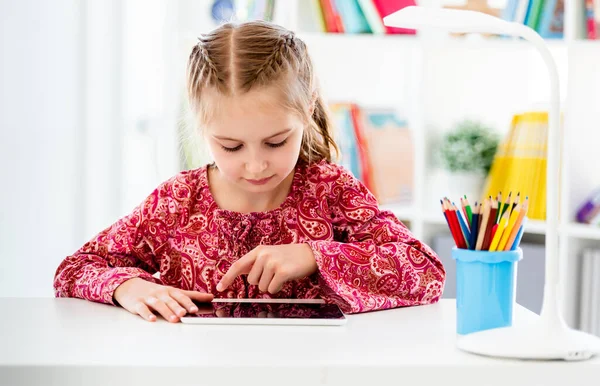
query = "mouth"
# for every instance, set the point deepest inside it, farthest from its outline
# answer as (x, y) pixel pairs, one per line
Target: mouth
(262, 181)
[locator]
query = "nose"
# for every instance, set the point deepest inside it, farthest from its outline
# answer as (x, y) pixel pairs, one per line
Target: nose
(256, 165)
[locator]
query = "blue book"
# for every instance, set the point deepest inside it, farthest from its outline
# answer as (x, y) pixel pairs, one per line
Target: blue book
(347, 139)
(552, 20)
(352, 16)
(510, 10)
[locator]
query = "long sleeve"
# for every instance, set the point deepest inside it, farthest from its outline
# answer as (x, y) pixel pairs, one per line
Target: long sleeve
(125, 250)
(373, 262)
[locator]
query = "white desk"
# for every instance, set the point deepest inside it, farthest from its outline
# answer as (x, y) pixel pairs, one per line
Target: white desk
(74, 342)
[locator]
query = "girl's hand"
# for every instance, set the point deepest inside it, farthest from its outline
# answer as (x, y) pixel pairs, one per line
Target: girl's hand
(270, 266)
(140, 297)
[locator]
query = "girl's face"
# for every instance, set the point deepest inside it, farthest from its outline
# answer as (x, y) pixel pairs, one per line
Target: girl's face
(254, 141)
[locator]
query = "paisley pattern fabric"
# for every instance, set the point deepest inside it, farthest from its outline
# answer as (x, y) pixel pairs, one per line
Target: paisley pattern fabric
(367, 259)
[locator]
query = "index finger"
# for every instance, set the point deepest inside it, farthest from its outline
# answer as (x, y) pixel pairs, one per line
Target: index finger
(240, 267)
(198, 296)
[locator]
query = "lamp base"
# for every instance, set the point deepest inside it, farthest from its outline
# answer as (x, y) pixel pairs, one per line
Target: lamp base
(532, 341)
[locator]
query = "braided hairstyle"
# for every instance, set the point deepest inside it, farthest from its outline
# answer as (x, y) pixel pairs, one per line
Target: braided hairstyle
(236, 58)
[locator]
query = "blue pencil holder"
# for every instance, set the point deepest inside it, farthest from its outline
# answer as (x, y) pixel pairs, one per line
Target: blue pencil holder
(485, 288)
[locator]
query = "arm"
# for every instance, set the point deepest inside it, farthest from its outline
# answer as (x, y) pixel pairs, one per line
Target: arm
(375, 262)
(125, 250)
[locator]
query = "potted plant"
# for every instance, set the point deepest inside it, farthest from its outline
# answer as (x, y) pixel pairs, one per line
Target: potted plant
(467, 153)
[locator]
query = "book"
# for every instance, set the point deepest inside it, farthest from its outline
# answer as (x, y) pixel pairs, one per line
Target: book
(519, 164)
(352, 16)
(387, 7)
(372, 16)
(311, 17)
(592, 18)
(533, 17)
(345, 137)
(391, 154)
(551, 24)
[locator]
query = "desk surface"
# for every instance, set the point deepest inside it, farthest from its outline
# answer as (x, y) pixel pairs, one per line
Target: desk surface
(62, 340)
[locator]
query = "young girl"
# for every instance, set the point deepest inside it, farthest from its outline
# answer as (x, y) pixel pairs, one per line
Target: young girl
(272, 217)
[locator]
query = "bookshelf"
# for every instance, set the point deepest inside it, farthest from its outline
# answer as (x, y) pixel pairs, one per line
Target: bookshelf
(493, 79)
(436, 80)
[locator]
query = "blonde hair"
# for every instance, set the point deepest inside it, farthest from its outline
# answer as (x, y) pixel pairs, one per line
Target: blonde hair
(236, 58)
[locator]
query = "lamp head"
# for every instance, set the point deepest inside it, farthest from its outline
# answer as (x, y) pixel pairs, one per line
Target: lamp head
(451, 20)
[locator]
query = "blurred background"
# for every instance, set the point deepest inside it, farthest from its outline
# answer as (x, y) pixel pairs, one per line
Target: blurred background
(93, 117)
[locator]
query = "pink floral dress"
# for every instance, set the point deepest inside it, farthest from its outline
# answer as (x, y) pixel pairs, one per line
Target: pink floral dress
(367, 259)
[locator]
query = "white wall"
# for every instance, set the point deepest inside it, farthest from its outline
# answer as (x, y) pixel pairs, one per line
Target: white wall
(40, 114)
(89, 92)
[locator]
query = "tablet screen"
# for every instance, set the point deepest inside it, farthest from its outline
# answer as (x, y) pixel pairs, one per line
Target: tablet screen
(249, 309)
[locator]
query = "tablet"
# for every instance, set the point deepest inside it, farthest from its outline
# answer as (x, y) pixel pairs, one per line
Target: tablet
(296, 312)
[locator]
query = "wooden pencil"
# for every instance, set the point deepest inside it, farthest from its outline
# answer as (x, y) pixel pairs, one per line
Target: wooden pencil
(474, 227)
(469, 210)
(491, 221)
(484, 222)
(517, 226)
(451, 227)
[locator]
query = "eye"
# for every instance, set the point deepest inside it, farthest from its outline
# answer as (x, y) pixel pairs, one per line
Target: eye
(274, 145)
(232, 149)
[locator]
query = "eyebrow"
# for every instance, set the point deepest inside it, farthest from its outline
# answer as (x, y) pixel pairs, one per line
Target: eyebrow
(237, 140)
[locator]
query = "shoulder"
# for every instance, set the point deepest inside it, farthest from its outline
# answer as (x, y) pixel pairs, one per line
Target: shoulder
(335, 181)
(325, 172)
(184, 185)
(179, 191)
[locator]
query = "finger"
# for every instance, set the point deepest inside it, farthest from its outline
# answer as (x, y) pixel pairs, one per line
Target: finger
(142, 310)
(256, 271)
(240, 267)
(173, 305)
(276, 284)
(201, 297)
(266, 277)
(184, 300)
(161, 308)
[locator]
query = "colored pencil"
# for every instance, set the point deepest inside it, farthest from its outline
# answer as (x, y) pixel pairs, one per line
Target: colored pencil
(454, 213)
(463, 226)
(517, 200)
(484, 222)
(455, 228)
(499, 199)
(512, 219)
(506, 204)
(519, 235)
(451, 227)
(488, 230)
(474, 227)
(469, 210)
(501, 229)
(517, 226)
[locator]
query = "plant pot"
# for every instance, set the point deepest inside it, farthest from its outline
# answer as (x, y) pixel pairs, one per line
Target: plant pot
(460, 184)
(455, 185)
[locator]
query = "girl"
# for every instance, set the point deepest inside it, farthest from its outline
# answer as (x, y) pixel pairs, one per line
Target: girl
(271, 217)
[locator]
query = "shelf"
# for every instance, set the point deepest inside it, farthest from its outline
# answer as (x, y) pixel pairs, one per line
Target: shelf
(584, 231)
(581, 231)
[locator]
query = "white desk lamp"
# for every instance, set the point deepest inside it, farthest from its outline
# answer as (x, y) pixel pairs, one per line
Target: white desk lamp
(549, 337)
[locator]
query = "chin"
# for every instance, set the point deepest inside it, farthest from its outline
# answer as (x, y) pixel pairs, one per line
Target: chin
(268, 186)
